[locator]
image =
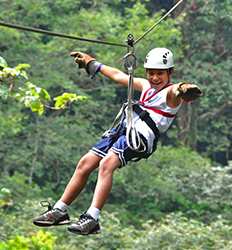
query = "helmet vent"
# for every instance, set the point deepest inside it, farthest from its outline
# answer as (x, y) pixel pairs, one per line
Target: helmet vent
(165, 58)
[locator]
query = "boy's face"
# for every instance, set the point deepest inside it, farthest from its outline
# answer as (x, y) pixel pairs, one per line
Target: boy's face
(158, 78)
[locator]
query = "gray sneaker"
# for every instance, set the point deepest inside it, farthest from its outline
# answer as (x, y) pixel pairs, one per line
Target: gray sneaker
(52, 217)
(86, 225)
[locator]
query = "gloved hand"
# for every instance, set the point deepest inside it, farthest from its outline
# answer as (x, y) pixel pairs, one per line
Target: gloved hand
(88, 62)
(82, 59)
(188, 91)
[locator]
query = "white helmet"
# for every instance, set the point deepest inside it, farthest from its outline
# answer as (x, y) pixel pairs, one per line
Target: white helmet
(159, 58)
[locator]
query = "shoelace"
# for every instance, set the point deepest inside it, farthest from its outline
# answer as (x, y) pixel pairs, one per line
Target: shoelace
(83, 218)
(46, 204)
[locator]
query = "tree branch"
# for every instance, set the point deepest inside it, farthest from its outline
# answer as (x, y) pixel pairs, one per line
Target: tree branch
(216, 112)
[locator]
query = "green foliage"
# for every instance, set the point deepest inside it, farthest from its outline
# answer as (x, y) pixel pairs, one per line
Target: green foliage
(165, 177)
(17, 199)
(13, 189)
(140, 195)
(177, 232)
(65, 98)
(208, 62)
(10, 76)
(48, 151)
(3, 63)
(32, 96)
(5, 197)
(39, 241)
(174, 231)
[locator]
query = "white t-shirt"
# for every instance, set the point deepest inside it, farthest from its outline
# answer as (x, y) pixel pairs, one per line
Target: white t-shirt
(150, 99)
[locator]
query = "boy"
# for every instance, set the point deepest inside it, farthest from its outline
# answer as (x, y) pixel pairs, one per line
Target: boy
(159, 102)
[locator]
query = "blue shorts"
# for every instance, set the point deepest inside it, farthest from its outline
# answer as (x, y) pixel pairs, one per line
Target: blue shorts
(116, 142)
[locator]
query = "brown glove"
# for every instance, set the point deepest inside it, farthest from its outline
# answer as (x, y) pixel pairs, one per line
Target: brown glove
(88, 62)
(82, 59)
(188, 91)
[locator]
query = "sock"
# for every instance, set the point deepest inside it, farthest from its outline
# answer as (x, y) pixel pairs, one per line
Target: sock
(61, 205)
(94, 212)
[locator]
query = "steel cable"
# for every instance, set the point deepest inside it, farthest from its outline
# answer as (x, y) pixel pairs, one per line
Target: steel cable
(50, 33)
(160, 20)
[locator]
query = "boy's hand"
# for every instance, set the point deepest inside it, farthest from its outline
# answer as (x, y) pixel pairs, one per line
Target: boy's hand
(188, 91)
(82, 59)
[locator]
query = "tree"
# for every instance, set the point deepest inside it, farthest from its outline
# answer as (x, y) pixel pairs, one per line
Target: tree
(206, 60)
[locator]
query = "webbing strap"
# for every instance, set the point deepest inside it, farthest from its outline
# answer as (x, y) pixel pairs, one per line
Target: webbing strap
(160, 112)
(144, 116)
(144, 94)
(144, 99)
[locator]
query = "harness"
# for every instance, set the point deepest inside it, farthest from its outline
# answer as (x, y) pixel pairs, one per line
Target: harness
(133, 137)
(145, 116)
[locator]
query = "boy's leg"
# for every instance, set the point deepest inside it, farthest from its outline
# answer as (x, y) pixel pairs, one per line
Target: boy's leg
(58, 214)
(105, 178)
(88, 222)
(85, 166)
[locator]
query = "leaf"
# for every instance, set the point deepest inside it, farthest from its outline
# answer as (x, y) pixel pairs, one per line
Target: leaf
(33, 97)
(22, 66)
(62, 100)
(43, 94)
(3, 63)
(11, 72)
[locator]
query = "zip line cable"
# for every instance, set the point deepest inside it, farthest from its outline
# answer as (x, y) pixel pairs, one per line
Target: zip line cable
(50, 33)
(62, 35)
(160, 20)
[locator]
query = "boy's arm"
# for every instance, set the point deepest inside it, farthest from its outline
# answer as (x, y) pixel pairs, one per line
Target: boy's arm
(92, 67)
(122, 78)
(183, 91)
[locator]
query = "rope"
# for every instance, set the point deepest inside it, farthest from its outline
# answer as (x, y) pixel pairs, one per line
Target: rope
(133, 138)
(50, 33)
(160, 20)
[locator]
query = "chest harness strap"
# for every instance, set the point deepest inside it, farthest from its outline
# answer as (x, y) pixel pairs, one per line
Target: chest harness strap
(144, 116)
(158, 111)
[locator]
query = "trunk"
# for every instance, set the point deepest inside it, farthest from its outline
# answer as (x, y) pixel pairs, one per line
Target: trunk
(35, 153)
(187, 124)
(183, 122)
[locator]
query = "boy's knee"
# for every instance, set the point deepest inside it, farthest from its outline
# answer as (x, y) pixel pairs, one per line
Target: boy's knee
(107, 165)
(84, 166)
(82, 163)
